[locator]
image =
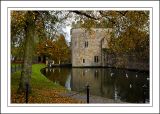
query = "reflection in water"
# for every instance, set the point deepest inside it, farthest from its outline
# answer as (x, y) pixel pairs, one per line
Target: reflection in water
(105, 82)
(68, 83)
(116, 97)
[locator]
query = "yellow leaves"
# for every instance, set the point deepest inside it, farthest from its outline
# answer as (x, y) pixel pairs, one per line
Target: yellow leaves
(89, 23)
(21, 19)
(18, 18)
(132, 40)
(138, 18)
(34, 17)
(113, 14)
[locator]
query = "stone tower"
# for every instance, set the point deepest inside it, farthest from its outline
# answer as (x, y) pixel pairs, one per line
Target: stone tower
(87, 46)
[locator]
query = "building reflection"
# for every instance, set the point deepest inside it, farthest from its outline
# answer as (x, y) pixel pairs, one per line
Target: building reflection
(104, 82)
(111, 85)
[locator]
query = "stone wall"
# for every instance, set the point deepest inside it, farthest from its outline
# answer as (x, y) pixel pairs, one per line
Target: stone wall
(85, 55)
(97, 41)
(126, 61)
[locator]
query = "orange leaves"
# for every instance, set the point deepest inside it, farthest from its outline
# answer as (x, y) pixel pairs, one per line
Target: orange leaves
(44, 47)
(42, 96)
(57, 50)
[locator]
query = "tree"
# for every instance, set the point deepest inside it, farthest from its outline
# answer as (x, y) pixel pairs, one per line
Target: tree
(130, 29)
(29, 27)
(63, 52)
(57, 49)
(32, 24)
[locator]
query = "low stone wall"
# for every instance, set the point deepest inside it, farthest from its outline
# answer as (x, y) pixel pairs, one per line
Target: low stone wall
(126, 61)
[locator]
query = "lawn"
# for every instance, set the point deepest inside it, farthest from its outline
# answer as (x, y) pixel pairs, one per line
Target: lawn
(43, 90)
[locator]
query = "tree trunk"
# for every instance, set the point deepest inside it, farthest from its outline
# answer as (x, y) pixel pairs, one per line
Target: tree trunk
(28, 54)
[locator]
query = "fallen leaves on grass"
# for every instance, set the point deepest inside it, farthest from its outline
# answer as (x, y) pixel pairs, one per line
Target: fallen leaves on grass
(43, 96)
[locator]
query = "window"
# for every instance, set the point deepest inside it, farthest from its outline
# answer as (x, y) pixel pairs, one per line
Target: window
(96, 74)
(83, 73)
(83, 60)
(96, 59)
(75, 43)
(86, 44)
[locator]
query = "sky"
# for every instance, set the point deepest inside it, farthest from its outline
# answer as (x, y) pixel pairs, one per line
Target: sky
(66, 31)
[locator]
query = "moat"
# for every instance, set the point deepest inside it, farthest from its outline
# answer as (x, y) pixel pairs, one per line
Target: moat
(117, 84)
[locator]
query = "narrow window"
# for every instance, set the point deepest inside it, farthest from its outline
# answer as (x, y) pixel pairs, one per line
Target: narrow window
(96, 59)
(86, 44)
(96, 74)
(83, 60)
(75, 43)
(83, 73)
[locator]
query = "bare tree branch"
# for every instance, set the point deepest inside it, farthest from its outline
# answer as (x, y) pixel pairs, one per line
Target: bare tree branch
(123, 13)
(84, 14)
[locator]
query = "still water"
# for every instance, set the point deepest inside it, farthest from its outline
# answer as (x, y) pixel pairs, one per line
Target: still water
(116, 84)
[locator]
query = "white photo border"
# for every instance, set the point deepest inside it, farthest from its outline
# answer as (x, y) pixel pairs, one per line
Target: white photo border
(9, 105)
(79, 8)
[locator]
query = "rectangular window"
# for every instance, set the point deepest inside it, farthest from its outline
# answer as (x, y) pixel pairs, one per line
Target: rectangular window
(83, 60)
(83, 73)
(86, 44)
(96, 59)
(75, 43)
(96, 74)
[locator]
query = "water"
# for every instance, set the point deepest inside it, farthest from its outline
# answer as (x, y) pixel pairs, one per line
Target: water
(116, 84)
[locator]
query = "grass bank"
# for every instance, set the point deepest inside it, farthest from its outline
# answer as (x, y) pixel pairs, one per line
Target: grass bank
(43, 90)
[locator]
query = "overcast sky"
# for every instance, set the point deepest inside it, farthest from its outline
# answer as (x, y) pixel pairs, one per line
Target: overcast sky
(67, 33)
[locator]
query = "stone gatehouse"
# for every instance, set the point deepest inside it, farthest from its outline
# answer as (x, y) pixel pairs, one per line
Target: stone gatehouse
(87, 46)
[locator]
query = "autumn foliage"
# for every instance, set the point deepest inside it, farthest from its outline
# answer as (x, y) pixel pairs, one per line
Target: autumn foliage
(56, 49)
